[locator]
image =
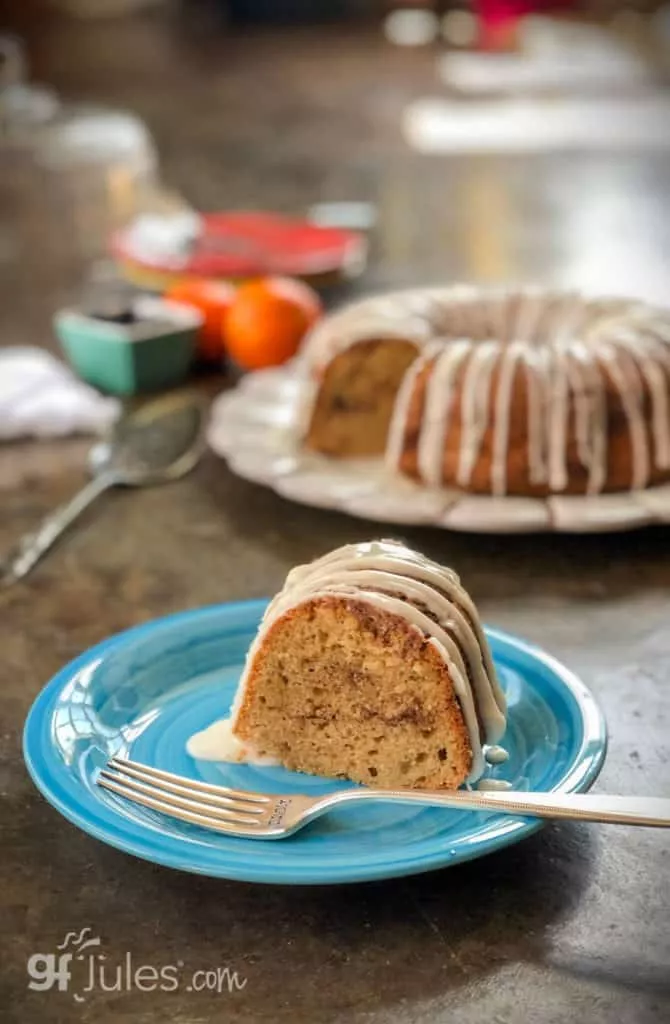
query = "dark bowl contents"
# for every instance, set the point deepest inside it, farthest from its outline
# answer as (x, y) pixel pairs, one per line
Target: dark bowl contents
(110, 300)
(126, 316)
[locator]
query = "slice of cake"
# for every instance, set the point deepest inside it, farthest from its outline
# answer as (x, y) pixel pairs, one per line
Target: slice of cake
(371, 665)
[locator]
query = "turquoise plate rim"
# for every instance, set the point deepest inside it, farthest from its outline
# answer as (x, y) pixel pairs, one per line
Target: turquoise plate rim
(45, 766)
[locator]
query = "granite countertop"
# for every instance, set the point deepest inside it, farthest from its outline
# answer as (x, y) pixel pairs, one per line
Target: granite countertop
(572, 923)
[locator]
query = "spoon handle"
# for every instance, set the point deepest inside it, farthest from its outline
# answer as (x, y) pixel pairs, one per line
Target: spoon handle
(31, 548)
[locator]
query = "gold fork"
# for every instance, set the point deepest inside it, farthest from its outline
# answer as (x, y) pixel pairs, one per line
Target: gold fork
(250, 815)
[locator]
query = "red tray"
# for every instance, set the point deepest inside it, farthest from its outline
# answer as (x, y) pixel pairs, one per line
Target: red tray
(249, 244)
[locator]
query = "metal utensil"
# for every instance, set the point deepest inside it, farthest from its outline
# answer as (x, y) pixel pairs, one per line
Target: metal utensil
(264, 816)
(158, 442)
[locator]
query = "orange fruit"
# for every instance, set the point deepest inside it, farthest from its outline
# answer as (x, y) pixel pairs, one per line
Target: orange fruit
(213, 299)
(268, 319)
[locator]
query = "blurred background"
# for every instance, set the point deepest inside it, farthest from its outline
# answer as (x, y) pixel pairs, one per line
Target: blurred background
(499, 140)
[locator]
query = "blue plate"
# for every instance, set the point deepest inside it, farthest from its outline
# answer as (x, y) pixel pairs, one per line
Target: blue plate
(144, 692)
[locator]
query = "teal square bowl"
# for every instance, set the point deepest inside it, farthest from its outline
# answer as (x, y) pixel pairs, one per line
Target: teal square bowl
(154, 352)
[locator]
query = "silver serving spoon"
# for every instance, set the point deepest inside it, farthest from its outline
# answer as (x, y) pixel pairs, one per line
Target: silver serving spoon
(158, 442)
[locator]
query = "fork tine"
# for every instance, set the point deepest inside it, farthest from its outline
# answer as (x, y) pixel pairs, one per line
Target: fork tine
(157, 775)
(218, 823)
(221, 799)
(198, 805)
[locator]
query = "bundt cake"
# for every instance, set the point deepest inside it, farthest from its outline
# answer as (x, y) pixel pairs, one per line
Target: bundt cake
(371, 664)
(506, 393)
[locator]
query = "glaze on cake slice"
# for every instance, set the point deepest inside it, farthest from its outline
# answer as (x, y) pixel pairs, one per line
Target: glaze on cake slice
(371, 664)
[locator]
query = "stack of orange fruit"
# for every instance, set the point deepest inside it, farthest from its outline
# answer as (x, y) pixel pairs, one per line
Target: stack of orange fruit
(259, 323)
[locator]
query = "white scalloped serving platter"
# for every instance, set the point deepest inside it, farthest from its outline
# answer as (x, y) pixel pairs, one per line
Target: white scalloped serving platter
(254, 427)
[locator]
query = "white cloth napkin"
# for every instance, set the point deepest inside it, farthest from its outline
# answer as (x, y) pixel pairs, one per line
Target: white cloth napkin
(40, 397)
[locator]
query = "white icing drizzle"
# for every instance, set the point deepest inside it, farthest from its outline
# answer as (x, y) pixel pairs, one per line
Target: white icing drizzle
(651, 362)
(627, 380)
(429, 597)
(558, 423)
(496, 755)
(572, 351)
(509, 357)
(439, 395)
(591, 413)
(475, 397)
(529, 311)
(218, 743)
(396, 435)
(576, 378)
(536, 376)
(562, 317)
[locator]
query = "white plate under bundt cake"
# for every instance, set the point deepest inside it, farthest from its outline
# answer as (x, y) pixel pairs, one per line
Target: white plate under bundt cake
(370, 664)
(523, 393)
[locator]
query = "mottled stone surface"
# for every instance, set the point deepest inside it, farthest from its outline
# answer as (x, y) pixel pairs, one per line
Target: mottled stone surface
(571, 924)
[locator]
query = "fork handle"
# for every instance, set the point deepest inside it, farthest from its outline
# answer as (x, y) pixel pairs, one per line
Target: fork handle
(609, 810)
